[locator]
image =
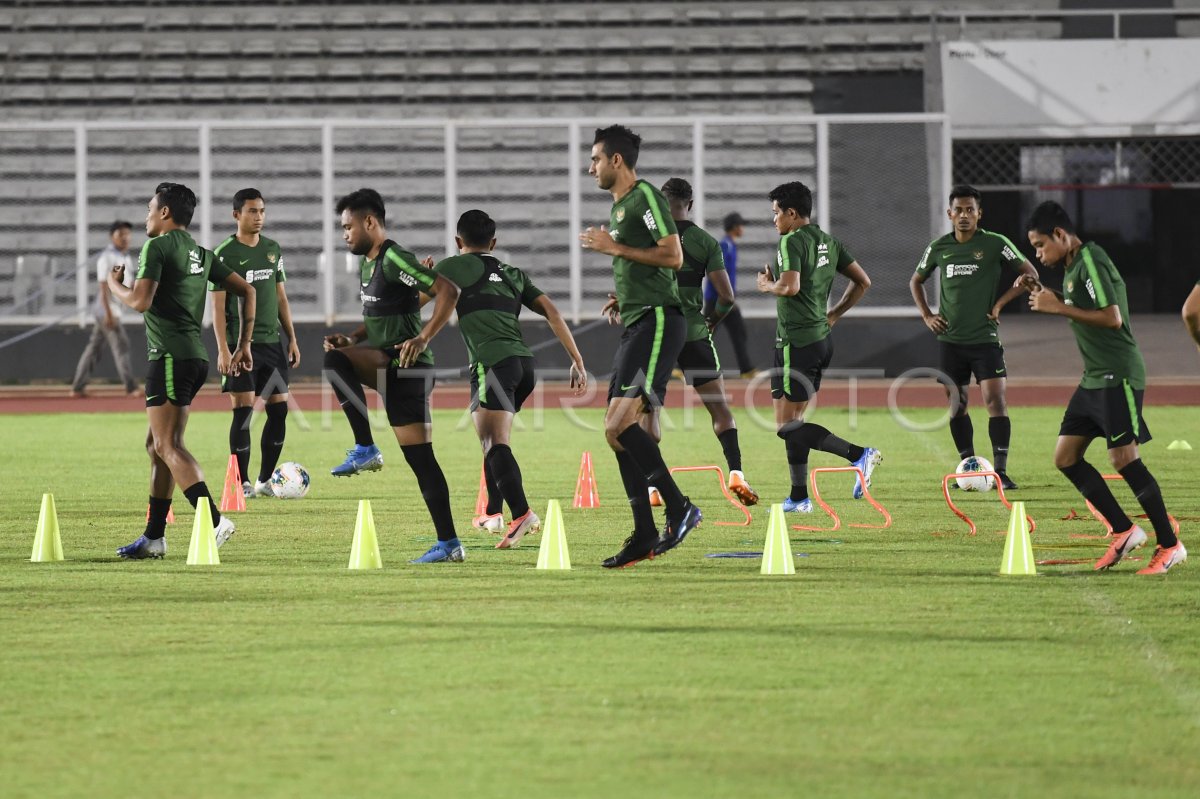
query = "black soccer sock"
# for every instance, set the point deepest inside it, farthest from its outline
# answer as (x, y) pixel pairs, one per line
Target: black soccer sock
(199, 491)
(156, 523)
(239, 439)
(495, 500)
(963, 433)
(350, 394)
(508, 478)
(637, 490)
(648, 457)
(434, 489)
(733, 452)
(826, 441)
(1145, 488)
(797, 458)
(271, 443)
(1089, 482)
(1000, 431)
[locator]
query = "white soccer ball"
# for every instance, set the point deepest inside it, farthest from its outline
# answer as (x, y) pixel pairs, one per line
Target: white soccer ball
(978, 482)
(290, 481)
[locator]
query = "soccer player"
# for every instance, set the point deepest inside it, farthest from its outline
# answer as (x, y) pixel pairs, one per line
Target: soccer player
(107, 315)
(1108, 402)
(394, 360)
(801, 282)
(1191, 313)
(645, 250)
(169, 291)
(702, 257)
(259, 261)
(490, 298)
(970, 261)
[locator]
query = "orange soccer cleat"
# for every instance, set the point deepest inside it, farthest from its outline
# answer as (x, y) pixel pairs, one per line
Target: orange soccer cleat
(738, 485)
(1121, 546)
(1165, 558)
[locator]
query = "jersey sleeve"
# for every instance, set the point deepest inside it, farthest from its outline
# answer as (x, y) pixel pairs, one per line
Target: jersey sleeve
(844, 258)
(1009, 253)
(150, 261)
(459, 270)
(928, 262)
(656, 215)
(398, 263)
(715, 262)
(529, 292)
(280, 275)
(790, 257)
(1098, 271)
(218, 271)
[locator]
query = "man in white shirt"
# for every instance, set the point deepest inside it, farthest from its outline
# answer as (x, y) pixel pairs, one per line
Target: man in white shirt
(107, 312)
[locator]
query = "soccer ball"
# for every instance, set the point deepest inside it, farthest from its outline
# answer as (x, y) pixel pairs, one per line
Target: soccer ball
(290, 481)
(978, 482)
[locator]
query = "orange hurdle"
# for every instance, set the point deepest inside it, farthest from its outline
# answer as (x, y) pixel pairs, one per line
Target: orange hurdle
(1108, 531)
(999, 490)
(815, 493)
(724, 490)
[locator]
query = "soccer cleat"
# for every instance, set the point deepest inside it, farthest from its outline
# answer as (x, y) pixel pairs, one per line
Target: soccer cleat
(518, 529)
(144, 548)
(223, 530)
(797, 505)
(1005, 481)
(656, 500)
(871, 458)
(443, 552)
(492, 522)
(1121, 546)
(741, 489)
(634, 551)
(676, 531)
(247, 490)
(262, 488)
(1164, 559)
(359, 459)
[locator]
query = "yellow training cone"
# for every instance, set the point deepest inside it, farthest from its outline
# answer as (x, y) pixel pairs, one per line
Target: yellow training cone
(364, 552)
(203, 549)
(553, 554)
(1179, 444)
(777, 551)
(47, 544)
(1018, 549)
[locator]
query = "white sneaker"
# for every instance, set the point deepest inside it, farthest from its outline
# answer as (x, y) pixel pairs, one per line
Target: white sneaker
(262, 488)
(223, 530)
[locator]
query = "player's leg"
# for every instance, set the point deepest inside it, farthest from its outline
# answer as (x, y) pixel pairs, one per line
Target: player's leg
(271, 383)
(348, 370)
(789, 420)
(702, 369)
(505, 388)
(242, 404)
(987, 364)
(957, 372)
(152, 544)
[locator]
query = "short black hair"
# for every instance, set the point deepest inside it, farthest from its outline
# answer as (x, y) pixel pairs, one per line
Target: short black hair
(364, 201)
(120, 224)
(963, 190)
(1048, 216)
(732, 221)
(180, 199)
(240, 198)
(619, 139)
(476, 228)
(678, 189)
(794, 195)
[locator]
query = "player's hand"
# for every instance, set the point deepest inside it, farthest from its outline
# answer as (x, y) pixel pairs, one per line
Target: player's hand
(611, 310)
(427, 262)
(337, 341)
(937, 323)
(831, 319)
(599, 240)
(118, 273)
(579, 379)
(764, 282)
(1043, 300)
(994, 314)
(224, 362)
(243, 361)
(410, 350)
(1028, 283)
(293, 355)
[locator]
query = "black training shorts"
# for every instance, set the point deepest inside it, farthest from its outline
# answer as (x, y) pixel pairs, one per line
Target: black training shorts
(961, 361)
(798, 370)
(505, 384)
(699, 362)
(646, 354)
(1113, 413)
(268, 377)
(174, 381)
(406, 392)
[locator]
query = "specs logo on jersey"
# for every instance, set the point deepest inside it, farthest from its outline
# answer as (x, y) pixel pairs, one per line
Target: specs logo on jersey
(194, 265)
(620, 215)
(961, 270)
(822, 261)
(648, 218)
(493, 277)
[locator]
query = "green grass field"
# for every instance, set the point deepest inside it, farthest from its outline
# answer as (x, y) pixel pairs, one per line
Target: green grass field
(894, 663)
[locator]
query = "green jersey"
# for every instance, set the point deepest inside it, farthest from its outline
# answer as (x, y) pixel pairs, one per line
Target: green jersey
(640, 219)
(1109, 356)
(181, 267)
(262, 267)
(970, 273)
(489, 302)
(701, 255)
(812, 252)
(391, 297)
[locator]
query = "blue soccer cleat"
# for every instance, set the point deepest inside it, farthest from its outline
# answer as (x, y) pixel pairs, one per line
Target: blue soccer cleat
(678, 530)
(443, 552)
(359, 459)
(144, 549)
(871, 458)
(797, 505)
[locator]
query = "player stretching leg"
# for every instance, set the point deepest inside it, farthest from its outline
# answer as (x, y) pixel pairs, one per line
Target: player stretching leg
(801, 282)
(169, 291)
(971, 260)
(1108, 402)
(395, 361)
(259, 261)
(490, 298)
(645, 250)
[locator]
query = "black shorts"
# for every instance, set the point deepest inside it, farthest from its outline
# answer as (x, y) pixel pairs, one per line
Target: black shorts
(268, 377)
(984, 361)
(699, 362)
(646, 354)
(406, 392)
(798, 370)
(1114, 414)
(506, 384)
(177, 382)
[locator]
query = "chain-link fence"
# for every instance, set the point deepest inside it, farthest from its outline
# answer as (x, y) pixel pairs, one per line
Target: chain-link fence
(1075, 163)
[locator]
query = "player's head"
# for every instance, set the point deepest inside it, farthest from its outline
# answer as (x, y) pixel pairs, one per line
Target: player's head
(120, 233)
(1050, 232)
(249, 210)
(679, 194)
(966, 207)
(171, 206)
(614, 149)
(734, 225)
(363, 217)
(476, 231)
(791, 206)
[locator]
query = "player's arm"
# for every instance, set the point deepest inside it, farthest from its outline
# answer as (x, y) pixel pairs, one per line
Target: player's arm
(788, 284)
(1043, 300)
(1027, 273)
(445, 295)
(140, 297)
(240, 359)
(285, 319)
(719, 280)
(337, 341)
(916, 286)
(1191, 314)
(667, 252)
(855, 289)
(219, 323)
(545, 306)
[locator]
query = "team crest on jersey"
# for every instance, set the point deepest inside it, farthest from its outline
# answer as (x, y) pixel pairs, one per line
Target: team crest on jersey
(978, 255)
(1070, 286)
(620, 215)
(270, 257)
